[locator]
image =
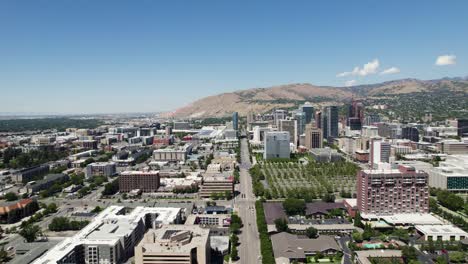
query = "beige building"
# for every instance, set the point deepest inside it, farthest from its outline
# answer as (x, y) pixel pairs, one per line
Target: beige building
(220, 184)
(181, 244)
(313, 137)
(175, 155)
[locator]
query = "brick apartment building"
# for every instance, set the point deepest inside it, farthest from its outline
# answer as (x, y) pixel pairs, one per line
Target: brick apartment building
(146, 181)
(395, 191)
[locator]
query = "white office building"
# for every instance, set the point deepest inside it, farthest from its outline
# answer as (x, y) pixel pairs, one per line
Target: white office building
(276, 145)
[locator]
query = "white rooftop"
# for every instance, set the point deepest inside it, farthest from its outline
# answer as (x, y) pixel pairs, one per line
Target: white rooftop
(440, 229)
(406, 219)
(106, 228)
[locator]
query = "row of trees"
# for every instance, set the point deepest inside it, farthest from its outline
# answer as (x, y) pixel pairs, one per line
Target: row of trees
(221, 195)
(449, 199)
(64, 224)
(265, 242)
(451, 217)
(236, 225)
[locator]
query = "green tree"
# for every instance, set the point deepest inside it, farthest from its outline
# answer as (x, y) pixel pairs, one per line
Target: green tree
(409, 253)
(357, 237)
(328, 198)
(457, 257)
(294, 206)
(311, 232)
(234, 253)
(281, 225)
(10, 196)
(30, 232)
(51, 208)
(358, 220)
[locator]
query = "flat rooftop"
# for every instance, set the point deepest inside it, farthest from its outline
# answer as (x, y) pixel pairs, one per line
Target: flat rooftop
(440, 229)
(107, 227)
(174, 239)
(406, 219)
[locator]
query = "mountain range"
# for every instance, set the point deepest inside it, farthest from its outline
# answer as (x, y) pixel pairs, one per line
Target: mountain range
(286, 96)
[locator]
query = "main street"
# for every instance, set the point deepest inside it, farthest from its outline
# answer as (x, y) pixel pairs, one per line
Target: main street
(249, 249)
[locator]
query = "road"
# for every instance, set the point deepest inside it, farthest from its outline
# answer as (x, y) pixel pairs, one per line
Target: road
(346, 251)
(249, 248)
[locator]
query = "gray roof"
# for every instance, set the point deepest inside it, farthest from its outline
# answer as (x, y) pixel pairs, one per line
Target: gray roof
(293, 247)
(273, 211)
(322, 207)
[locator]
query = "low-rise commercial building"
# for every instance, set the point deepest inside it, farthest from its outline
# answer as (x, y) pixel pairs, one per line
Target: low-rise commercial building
(46, 182)
(441, 232)
(451, 174)
(294, 248)
(171, 154)
(181, 244)
(101, 169)
(219, 184)
(12, 212)
(29, 174)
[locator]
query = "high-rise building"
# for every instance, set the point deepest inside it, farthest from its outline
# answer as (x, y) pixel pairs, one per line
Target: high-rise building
(309, 111)
(318, 119)
(462, 125)
(313, 137)
(301, 122)
(354, 123)
(379, 152)
(371, 119)
(276, 145)
(410, 133)
(289, 125)
(355, 115)
(235, 121)
(331, 116)
(146, 181)
(393, 191)
(278, 115)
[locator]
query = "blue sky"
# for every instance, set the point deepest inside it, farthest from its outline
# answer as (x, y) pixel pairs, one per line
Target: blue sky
(135, 56)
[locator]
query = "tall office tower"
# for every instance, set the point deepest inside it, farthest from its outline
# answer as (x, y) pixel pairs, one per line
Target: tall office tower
(168, 130)
(235, 121)
(289, 125)
(318, 119)
(462, 127)
(250, 117)
(354, 123)
(355, 115)
(309, 111)
(278, 115)
(379, 152)
(301, 121)
(276, 145)
(313, 137)
(395, 191)
(332, 122)
(410, 133)
(371, 119)
(324, 122)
